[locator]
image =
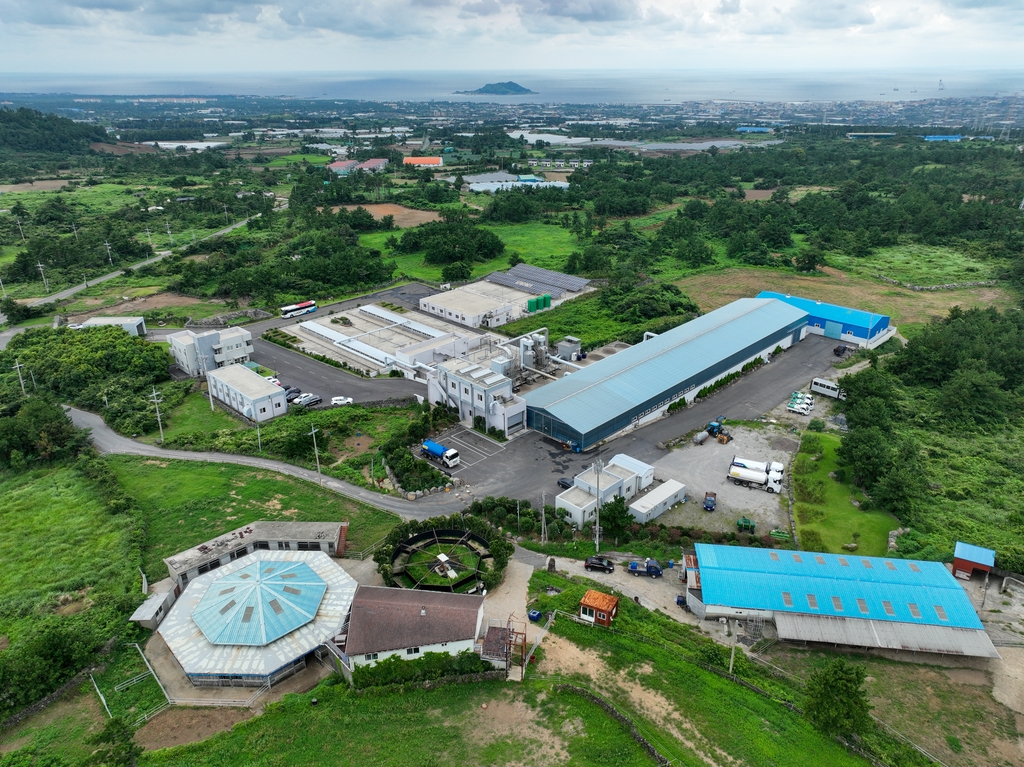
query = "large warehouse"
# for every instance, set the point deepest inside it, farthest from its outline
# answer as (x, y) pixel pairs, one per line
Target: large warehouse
(637, 384)
(852, 326)
(872, 602)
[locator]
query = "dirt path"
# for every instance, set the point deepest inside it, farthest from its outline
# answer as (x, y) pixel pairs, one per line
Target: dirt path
(178, 725)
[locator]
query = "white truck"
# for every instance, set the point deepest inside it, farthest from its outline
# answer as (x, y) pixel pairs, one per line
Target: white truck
(768, 467)
(828, 388)
(748, 478)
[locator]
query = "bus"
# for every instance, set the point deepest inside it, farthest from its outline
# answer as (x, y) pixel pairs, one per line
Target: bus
(828, 388)
(306, 307)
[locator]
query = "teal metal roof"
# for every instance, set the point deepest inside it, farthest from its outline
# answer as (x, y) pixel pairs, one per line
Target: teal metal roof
(976, 554)
(585, 399)
(842, 586)
(259, 603)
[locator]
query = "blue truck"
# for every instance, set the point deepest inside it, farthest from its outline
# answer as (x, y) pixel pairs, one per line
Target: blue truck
(649, 567)
(436, 452)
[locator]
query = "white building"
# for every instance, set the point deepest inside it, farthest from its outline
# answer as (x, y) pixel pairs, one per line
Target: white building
(478, 390)
(478, 305)
(133, 326)
(197, 353)
(658, 501)
(247, 392)
(623, 476)
(409, 623)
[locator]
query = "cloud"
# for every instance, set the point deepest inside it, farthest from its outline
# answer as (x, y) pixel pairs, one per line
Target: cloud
(583, 10)
(831, 14)
(481, 8)
(728, 7)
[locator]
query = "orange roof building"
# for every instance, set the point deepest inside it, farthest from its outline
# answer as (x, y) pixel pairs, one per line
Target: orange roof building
(428, 161)
(598, 607)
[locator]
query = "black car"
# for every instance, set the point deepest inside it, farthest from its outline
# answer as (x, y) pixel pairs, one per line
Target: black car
(840, 350)
(565, 483)
(291, 393)
(599, 563)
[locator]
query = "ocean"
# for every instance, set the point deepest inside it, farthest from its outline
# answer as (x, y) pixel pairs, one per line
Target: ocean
(561, 87)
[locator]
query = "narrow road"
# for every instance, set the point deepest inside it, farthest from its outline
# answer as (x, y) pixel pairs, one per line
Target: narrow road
(108, 441)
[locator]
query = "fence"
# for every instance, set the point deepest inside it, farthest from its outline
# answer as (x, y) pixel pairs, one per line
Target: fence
(222, 702)
(365, 553)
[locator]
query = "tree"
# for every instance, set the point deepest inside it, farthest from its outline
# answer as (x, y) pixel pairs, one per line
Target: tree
(809, 260)
(837, 703)
(117, 747)
(616, 519)
(457, 272)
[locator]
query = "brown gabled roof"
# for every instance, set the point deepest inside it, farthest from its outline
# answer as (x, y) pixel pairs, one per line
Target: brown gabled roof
(606, 603)
(386, 619)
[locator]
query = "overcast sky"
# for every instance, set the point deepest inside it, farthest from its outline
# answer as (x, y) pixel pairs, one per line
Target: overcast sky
(209, 36)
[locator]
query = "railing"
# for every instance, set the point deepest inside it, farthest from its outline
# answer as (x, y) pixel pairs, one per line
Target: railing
(365, 553)
(224, 702)
(150, 714)
(133, 681)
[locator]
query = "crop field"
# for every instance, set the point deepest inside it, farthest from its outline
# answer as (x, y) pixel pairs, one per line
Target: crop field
(58, 543)
(949, 710)
(185, 503)
(831, 514)
(713, 289)
(294, 159)
(109, 299)
(919, 265)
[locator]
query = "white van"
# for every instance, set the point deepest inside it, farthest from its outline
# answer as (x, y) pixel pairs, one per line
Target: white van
(828, 388)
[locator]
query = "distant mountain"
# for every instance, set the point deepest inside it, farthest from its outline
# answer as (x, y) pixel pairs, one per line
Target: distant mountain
(498, 89)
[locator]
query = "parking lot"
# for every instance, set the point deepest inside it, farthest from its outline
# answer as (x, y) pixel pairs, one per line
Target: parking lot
(473, 447)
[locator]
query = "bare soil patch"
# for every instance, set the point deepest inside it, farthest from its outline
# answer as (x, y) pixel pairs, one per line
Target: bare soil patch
(139, 305)
(506, 718)
(404, 217)
(758, 194)
(5, 642)
(969, 676)
(122, 148)
(177, 726)
(47, 185)
(715, 289)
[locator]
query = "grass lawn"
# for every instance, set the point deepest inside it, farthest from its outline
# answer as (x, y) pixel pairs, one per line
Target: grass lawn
(290, 159)
(58, 538)
(188, 502)
(8, 253)
(426, 728)
(917, 265)
(61, 729)
(123, 664)
(194, 415)
(837, 519)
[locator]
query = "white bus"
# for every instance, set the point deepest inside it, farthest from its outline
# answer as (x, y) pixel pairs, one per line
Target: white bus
(828, 388)
(306, 307)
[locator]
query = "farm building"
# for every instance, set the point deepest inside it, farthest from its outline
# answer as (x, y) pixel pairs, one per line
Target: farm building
(375, 165)
(408, 623)
(247, 392)
(133, 326)
(636, 385)
(658, 501)
(598, 607)
(257, 620)
(967, 558)
(428, 162)
(851, 326)
(342, 167)
(871, 602)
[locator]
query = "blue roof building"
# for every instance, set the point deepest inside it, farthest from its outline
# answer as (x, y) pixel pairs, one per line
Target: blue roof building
(840, 599)
(753, 129)
(954, 138)
(839, 322)
(967, 558)
(637, 384)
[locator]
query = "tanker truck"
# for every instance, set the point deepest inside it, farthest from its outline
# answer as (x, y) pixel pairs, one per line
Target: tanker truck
(769, 467)
(749, 478)
(444, 455)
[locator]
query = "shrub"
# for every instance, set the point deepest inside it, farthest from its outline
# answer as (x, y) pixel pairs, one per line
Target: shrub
(810, 540)
(816, 424)
(809, 489)
(803, 464)
(433, 665)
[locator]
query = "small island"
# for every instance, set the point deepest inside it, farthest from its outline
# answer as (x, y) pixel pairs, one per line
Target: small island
(498, 89)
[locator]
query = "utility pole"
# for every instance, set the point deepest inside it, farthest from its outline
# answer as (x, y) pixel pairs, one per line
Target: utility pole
(18, 366)
(169, 233)
(317, 454)
(2, 288)
(156, 398)
(46, 285)
(598, 466)
(227, 220)
(20, 229)
(149, 237)
(35, 386)
(75, 230)
(543, 517)
(111, 260)
(519, 529)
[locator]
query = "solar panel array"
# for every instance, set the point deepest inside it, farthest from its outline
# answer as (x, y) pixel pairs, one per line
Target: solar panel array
(533, 279)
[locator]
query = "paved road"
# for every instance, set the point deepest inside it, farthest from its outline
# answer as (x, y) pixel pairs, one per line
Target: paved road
(107, 440)
(530, 465)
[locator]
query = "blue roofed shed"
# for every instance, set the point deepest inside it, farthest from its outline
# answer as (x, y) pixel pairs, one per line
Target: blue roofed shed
(967, 558)
(637, 384)
(839, 322)
(841, 599)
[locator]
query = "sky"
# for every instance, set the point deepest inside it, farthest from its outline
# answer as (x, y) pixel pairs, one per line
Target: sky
(198, 37)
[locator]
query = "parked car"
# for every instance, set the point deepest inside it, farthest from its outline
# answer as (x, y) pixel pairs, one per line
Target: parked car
(308, 400)
(291, 393)
(840, 350)
(274, 381)
(599, 563)
(341, 400)
(565, 483)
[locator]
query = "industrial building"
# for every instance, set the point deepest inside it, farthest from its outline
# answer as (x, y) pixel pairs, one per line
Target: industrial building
(851, 326)
(623, 476)
(375, 165)
(196, 353)
(408, 623)
(247, 393)
(479, 390)
(257, 620)
(636, 385)
(869, 602)
(658, 501)
(133, 326)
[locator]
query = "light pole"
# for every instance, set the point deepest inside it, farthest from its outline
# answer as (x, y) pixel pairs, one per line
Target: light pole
(156, 398)
(317, 454)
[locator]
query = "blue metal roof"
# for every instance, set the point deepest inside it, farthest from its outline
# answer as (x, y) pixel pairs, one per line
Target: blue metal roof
(831, 312)
(590, 397)
(875, 588)
(259, 603)
(975, 554)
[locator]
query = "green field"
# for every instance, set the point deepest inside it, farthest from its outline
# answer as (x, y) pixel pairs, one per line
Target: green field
(58, 538)
(8, 253)
(194, 414)
(292, 159)
(836, 519)
(123, 664)
(61, 730)
(917, 265)
(185, 503)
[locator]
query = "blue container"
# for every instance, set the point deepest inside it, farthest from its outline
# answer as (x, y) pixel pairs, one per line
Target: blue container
(671, 564)
(534, 615)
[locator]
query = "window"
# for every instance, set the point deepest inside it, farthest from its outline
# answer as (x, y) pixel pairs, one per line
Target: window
(454, 387)
(370, 656)
(837, 604)
(863, 605)
(277, 405)
(866, 563)
(887, 606)
(914, 567)
(263, 410)
(774, 556)
(787, 599)
(890, 565)
(413, 651)
(914, 610)
(602, 617)
(843, 561)
(480, 397)
(263, 545)
(465, 390)
(587, 612)
(941, 612)
(797, 558)
(812, 601)
(820, 560)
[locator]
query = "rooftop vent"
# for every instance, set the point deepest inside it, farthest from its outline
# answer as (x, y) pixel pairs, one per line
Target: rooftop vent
(423, 611)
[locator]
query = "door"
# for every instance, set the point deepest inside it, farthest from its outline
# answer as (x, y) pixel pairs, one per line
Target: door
(833, 330)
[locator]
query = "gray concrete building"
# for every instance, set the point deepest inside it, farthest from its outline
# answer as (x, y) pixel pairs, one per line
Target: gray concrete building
(197, 353)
